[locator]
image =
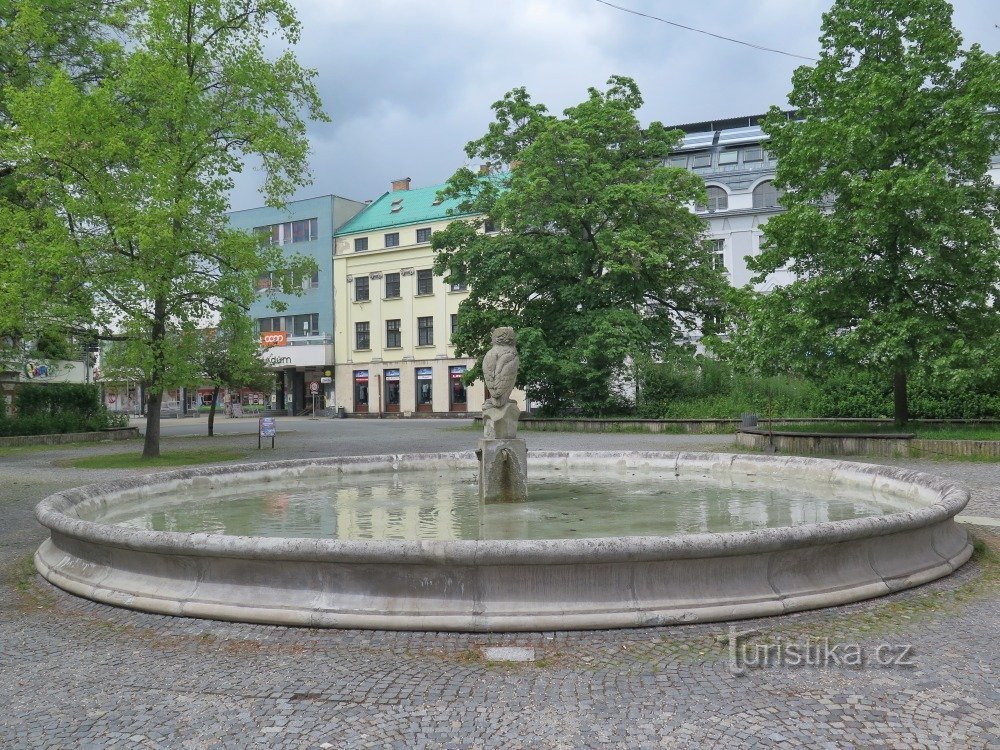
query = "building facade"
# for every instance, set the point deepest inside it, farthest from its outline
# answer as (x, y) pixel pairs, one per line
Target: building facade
(731, 157)
(393, 316)
(299, 339)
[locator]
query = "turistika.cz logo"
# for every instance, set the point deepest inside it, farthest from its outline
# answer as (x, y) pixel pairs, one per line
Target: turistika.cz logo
(746, 653)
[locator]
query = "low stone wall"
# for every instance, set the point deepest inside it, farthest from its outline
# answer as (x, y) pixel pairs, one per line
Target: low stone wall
(956, 448)
(548, 424)
(613, 424)
(836, 444)
(119, 433)
(826, 444)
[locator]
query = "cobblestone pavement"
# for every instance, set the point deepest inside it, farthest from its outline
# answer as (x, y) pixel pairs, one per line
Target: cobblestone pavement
(76, 674)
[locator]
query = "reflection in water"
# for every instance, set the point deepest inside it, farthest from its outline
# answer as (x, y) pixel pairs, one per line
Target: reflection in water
(443, 505)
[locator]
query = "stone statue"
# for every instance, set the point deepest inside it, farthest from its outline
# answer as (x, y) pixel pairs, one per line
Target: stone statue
(500, 366)
(503, 459)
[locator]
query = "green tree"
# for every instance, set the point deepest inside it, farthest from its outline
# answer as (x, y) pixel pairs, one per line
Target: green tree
(231, 358)
(597, 261)
(34, 38)
(891, 215)
(133, 173)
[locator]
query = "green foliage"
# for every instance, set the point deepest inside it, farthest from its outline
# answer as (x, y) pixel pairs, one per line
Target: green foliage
(891, 215)
(48, 408)
(52, 398)
(126, 176)
(703, 388)
(230, 354)
(597, 261)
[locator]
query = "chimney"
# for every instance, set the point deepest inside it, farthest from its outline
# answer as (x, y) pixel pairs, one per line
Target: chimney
(401, 184)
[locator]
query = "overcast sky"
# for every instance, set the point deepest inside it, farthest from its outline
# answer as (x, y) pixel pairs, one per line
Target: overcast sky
(408, 83)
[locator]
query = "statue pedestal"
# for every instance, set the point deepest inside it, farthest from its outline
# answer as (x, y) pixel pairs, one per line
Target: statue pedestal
(503, 470)
(500, 422)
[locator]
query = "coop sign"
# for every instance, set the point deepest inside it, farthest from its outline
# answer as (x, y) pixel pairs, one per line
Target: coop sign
(273, 338)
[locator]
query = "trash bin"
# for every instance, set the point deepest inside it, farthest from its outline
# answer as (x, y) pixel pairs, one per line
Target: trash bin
(341, 412)
(748, 419)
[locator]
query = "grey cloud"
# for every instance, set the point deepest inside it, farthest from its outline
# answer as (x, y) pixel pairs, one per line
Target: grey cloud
(409, 83)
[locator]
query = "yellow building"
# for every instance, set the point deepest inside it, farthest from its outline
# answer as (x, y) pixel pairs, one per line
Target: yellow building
(393, 317)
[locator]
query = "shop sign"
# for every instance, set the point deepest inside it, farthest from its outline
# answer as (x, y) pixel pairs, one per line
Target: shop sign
(457, 371)
(361, 376)
(425, 373)
(391, 376)
(326, 380)
(274, 338)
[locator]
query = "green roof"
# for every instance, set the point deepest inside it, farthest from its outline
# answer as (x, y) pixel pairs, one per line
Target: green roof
(416, 206)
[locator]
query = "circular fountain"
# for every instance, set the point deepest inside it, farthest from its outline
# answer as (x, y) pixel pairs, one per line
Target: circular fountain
(606, 539)
(496, 540)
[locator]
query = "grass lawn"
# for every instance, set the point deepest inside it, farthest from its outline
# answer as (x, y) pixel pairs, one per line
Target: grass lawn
(930, 432)
(170, 458)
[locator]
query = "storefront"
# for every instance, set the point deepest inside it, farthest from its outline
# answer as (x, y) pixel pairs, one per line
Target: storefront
(425, 389)
(361, 391)
(392, 399)
(458, 397)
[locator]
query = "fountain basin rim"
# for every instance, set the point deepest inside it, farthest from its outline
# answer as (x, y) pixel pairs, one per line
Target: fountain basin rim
(950, 499)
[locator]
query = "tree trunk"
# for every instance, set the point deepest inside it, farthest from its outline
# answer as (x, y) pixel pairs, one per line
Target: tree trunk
(901, 411)
(211, 411)
(151, 447)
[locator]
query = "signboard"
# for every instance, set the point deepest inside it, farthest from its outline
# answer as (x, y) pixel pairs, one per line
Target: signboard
(273, 338)
(391, 376)
(425, 373)
(326, 379)
(457, 371)
(266, 428)
(313, 387)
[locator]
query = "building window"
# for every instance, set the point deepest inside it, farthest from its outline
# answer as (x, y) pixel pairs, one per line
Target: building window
(360, 244)
(425, 281)
(460, 287)
(305, 325)
(314, 279)
(718, 200)
(454, 322)
(265, 325)
(680, 160)
(704, 159)
(360, 288)
(391, 281)
(362, 335)
(392, 239)
(425, 331)
(729, 156)
(302, 230)
(268, 235)
(393, 336)
(424, 235)
(264, 281)
(766, 195)
(425, 386)
(755, 153)
(717, 250)
(489, 227)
